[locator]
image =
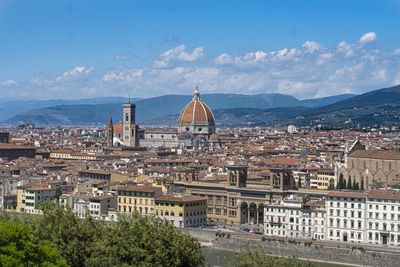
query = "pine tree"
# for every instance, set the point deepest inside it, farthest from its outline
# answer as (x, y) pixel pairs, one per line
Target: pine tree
(344, 184)
(349, 184)
(362, 184)
(299, 183)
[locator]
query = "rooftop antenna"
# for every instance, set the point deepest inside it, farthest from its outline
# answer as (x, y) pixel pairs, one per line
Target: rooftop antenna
(129, 101)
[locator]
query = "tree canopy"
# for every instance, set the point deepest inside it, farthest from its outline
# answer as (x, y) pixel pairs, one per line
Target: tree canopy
(18, 247)
(134, 241)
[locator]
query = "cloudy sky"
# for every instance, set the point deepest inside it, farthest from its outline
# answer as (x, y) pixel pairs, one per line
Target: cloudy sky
(93, 48)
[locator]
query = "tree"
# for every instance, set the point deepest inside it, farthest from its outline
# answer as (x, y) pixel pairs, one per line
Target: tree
(356, 186)
(344, 184)
(18, 247)
(349, 184)
(258, 258)
(146, 241)
(134, 241)
(299, 183)
(340, 184)
(362, 184)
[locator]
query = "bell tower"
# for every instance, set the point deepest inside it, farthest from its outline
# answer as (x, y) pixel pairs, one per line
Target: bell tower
(110, 132)
(237, 175)
(130, 128)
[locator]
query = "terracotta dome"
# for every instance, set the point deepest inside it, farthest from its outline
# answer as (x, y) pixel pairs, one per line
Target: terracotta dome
(214, 138)
(196, 113)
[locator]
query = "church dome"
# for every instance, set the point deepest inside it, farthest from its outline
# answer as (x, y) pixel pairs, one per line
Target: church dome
(196, 113)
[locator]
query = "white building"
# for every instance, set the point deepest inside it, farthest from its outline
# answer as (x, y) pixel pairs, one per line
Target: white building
(294, 217)
(38, 195)
(383, 217)
(345, 216)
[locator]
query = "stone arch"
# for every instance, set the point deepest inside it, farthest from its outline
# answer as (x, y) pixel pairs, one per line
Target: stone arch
(253, 213)
(244, 216)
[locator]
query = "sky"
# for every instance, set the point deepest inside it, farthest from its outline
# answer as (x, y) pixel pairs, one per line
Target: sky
(94, 48)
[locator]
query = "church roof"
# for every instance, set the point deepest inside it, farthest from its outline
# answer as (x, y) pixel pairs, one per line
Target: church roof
(196, 112)
(376, 154)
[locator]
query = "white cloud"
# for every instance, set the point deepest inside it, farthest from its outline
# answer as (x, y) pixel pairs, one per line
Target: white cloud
(178, 53)
(75, 73)
(8, 83)
(223, 59)
(309, 70)
(368, 38)
(311, 46)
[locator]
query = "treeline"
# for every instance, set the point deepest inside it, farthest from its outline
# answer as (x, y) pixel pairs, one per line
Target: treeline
(59, 238)
(342, 184)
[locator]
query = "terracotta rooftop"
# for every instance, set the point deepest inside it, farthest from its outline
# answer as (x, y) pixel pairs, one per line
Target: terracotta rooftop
(350, 194)
(140, 188)
(376, 154)
(181, 199)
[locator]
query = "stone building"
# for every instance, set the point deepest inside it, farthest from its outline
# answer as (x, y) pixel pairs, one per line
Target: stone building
(370, 168)
(196, 128)
(234, 202)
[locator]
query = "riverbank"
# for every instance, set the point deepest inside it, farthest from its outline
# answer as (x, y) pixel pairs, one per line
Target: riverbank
(339, 255)
(220, 257)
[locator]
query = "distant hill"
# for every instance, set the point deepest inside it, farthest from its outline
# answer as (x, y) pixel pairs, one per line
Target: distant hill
(157, 110)
(323, 101)
(379, 107)
(9, 109)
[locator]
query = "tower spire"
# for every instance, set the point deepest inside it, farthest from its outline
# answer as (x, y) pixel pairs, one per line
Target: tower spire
(110, 123)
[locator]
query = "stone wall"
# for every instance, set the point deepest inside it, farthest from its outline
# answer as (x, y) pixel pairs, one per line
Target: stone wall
(307, 250)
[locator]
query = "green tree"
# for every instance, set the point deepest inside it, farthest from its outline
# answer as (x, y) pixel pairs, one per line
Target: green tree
(349, 184)
(340, 184)
(299, 183)
(260, 259)
(362, 184)
(146, 241)
(356, 186)
(344, 184)
(135, 241)
(18, 247)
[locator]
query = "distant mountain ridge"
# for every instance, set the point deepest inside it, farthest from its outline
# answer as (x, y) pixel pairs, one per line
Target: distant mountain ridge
(95, 112)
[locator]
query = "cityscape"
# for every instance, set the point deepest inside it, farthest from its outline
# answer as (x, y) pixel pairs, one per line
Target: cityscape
(256, 156)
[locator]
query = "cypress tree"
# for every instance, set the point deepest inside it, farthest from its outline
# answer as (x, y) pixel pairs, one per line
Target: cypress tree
(349, 184)
(362, 184)
(299, 183)
(344, 184)
(340, 183)
(356, 186)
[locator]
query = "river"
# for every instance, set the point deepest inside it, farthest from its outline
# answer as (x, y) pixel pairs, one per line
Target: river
(219, 257)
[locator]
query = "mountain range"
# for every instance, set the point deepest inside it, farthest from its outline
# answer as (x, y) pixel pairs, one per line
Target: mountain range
(149, 111)
(378, 107)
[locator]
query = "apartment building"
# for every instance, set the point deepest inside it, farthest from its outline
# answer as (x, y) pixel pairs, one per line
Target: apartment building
(383, 217)
(182, 210)
(345, 216)
(295, 217)
(139, 198)
(30, 197)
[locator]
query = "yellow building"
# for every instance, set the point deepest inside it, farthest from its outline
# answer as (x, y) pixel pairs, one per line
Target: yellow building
(182, 210)
(326, 178)
(138, 198)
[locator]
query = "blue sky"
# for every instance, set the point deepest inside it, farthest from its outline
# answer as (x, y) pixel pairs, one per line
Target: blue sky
(73, 49)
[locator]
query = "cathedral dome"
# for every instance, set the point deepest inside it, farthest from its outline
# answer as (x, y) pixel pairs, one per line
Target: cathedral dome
(196, 113)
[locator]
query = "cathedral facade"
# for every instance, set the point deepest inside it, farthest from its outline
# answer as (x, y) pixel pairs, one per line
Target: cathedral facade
(196, 128)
